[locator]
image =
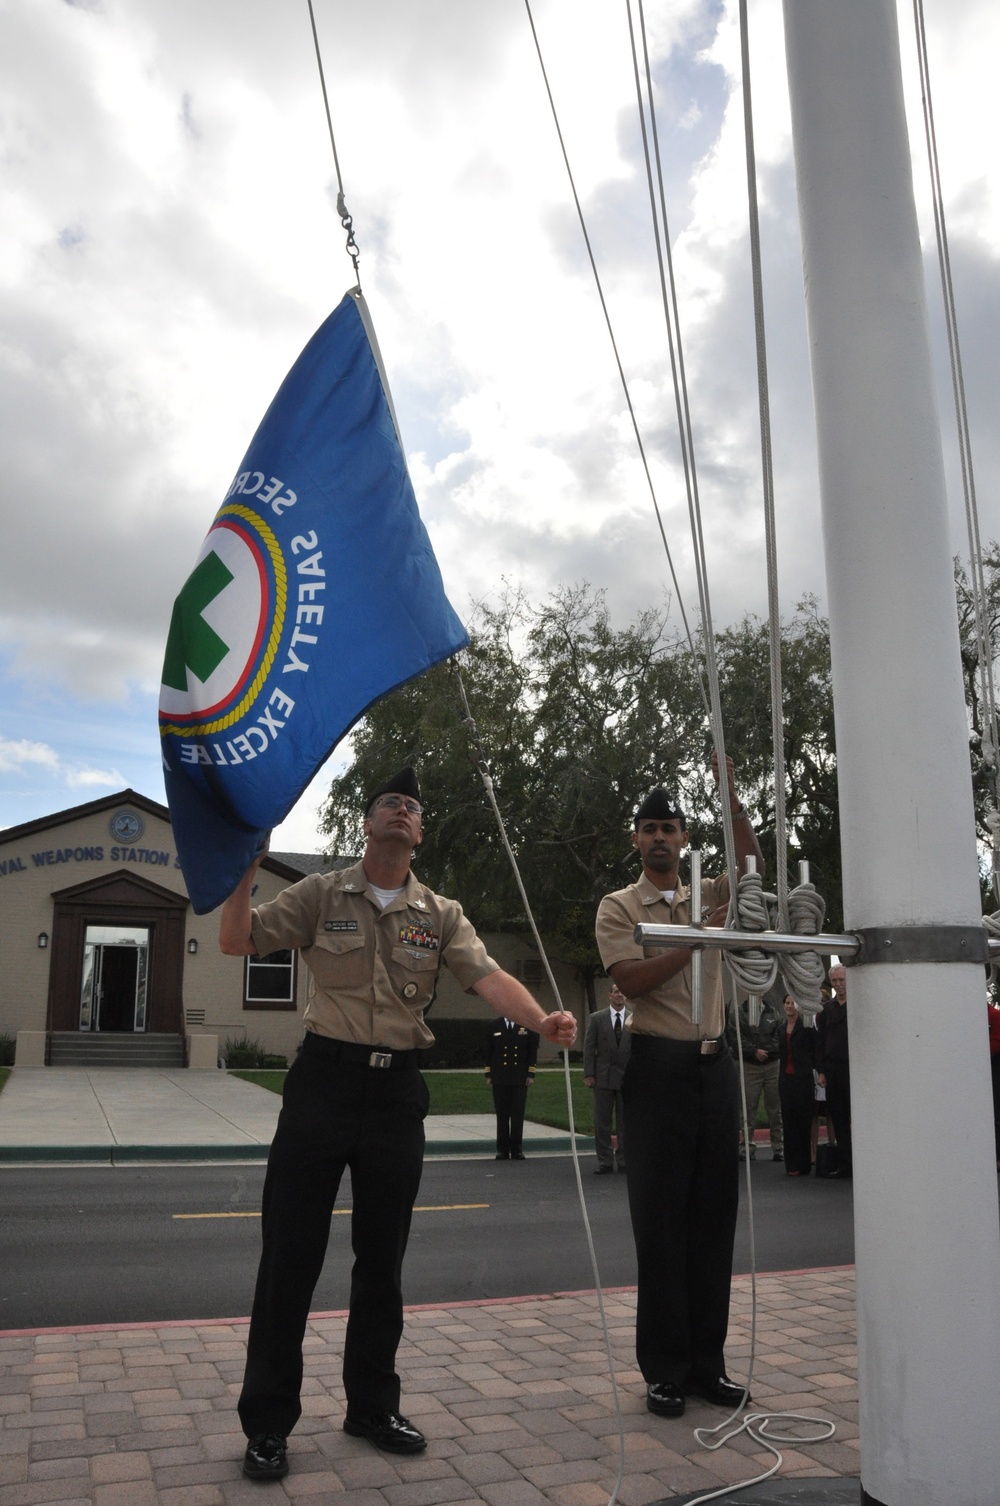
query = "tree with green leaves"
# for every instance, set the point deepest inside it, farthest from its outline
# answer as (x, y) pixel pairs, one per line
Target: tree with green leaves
(578, 719)
(811, 804)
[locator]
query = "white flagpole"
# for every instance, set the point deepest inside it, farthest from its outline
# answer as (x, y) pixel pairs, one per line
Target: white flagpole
(925, 1189)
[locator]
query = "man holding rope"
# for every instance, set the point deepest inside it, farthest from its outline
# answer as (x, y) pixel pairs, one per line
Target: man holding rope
(681, 1096)
(374, 939)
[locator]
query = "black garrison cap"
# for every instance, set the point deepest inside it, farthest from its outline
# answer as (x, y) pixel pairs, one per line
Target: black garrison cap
(659, 805)
(402, 783)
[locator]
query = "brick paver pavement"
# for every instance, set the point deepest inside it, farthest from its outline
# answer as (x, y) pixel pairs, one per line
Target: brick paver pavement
(514, 1397)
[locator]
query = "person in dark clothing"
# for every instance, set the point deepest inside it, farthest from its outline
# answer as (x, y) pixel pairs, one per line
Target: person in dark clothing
(511, 1052)
(834, 1067)
(606, 1050)
(757, 1052)
(797, 1056)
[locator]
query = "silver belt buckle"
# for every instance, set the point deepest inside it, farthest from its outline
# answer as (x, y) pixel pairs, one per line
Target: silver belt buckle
(380, 1059)
(709, 1048)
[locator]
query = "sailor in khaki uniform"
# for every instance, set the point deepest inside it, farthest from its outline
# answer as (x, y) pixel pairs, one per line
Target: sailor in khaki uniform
(374, 939)
(682, 1109)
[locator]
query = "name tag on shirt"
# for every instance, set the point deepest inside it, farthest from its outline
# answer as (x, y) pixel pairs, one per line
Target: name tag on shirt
(340, 925)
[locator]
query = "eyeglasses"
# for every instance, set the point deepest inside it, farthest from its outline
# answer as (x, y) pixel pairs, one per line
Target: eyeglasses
(393, 803)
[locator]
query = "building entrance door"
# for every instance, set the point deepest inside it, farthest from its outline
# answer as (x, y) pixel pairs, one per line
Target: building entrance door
(114, 981)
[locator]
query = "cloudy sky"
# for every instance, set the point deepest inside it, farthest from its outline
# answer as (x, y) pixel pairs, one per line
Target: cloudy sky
(170, 242)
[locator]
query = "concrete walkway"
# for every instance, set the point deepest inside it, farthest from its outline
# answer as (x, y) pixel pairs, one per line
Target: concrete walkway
(514, 1397)
(68, 1114)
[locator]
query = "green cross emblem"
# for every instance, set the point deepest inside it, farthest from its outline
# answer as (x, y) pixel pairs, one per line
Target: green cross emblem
(192, 643)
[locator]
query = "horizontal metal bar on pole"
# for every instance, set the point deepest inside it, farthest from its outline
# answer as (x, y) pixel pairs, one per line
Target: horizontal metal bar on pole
(740, 941)
(847, 946)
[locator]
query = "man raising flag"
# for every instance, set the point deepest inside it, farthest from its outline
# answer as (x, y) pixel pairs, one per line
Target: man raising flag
(374, 939)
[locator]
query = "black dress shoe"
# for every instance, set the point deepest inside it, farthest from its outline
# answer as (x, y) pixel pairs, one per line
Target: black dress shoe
(387, 1430)
(665, 1399)
(778, 1156)
(720, 1390)
(517, 1155)
(843, 1172)
(266, 1457)
(501, 1155)
(603, 1171)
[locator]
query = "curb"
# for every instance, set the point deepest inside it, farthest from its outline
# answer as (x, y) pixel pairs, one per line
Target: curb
(115, 1155)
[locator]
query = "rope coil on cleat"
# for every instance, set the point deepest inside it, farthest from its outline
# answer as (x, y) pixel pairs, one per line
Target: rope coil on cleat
(804, 972)
(753, 971)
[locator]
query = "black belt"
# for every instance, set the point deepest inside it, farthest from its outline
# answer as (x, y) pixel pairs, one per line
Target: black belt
(662, 1048)
(358, 1055)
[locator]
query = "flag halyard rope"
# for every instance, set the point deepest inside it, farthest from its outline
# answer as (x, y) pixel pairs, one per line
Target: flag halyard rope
(350, 244)
(482, 764)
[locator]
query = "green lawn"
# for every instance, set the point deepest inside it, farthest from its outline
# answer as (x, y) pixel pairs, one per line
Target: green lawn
(467, 1093)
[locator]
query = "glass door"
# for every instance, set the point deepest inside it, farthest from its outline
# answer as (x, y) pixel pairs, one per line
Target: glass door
(114, 980)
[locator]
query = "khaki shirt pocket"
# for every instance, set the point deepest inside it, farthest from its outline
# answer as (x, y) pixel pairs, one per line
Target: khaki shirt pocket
(414, 975)
(339, 961)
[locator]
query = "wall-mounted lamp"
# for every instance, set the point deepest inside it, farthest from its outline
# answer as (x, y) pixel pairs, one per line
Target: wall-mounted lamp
(43, 939)
(193, 946)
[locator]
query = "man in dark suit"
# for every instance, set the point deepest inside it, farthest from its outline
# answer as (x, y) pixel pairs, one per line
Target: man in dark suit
(605, 1054)
(511, 1052)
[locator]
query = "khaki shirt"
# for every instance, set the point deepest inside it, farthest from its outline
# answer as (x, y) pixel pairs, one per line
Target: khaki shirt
(667, 1010)
(373, 971)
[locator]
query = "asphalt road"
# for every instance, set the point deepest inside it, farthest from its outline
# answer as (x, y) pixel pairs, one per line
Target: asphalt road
(150, 1243)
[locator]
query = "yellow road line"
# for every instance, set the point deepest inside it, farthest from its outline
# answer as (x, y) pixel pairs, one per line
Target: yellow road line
(449, 1207)
(430, 1208)
(215, 1215)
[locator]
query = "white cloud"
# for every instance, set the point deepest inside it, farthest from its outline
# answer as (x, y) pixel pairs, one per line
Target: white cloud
(94, 778)
(170, 243)
(23, 756)
(16, 756)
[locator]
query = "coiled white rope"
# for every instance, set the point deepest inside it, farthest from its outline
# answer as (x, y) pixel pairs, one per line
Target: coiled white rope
(804, 972)
(754, 1424)
(753, 971)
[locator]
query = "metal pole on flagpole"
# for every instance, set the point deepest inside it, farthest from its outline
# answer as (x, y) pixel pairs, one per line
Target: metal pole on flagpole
(927, 1248)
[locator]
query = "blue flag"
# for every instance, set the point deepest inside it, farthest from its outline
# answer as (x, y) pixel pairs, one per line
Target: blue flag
(316, 592)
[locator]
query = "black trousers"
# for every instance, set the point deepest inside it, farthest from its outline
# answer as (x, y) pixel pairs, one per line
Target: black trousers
(509, 1102)
(838, 1101)
(797, 1116)
(335, 1114)
(682, 1111)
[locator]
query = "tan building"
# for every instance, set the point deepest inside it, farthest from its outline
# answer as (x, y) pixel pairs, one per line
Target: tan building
(100, 950)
